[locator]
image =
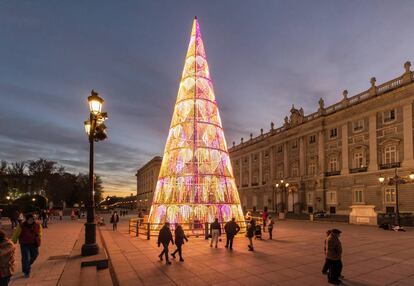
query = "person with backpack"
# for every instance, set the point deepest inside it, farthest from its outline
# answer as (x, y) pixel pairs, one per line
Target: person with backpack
(250, 233)
(215, 232)
(115, 220)
(164, 238)
(7, 251)
(29, 235)
(179, 241)
(231, 228)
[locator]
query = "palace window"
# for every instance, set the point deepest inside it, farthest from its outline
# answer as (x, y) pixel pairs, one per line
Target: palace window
(389, 195)
(279, 149)
(390, 154)
(358, 125)
(295, 144)
(312, 168)
(312, 139)
(333, 163)
(358, 159)
(358, 196)
(309, 198)
(333, 133)
(389, 115)
(279, 173)
(295, 171)
(331, 197)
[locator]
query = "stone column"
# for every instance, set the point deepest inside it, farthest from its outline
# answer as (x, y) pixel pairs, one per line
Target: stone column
(408, 134)
(373, 160)
(260, 168)
(321, 153)
(345, 163)
(241, 172)
(285, 161)
(250, 170)
(301, 157)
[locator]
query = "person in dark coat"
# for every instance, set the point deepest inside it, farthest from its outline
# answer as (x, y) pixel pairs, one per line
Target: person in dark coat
(114, 220)
(250, 233)
(164, 238)
(334, 257)
(7, 251)
(325, 267)
(179, 241)
(215, 232)
(231, 228)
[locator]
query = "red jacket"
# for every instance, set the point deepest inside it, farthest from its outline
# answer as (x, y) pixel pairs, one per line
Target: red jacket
(28, 233)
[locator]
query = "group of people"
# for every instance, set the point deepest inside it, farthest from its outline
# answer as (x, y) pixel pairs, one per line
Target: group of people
(29, 235)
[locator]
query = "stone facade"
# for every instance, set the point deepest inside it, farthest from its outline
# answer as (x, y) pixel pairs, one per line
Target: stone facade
(147, 177)
(332, 158)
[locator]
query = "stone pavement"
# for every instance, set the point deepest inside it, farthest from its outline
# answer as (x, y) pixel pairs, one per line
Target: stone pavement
(58, 241)
(372, 256)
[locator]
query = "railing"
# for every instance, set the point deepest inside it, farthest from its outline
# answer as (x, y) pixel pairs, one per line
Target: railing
(139, 228)
(358, 170)
(333, 173)
(390, 165)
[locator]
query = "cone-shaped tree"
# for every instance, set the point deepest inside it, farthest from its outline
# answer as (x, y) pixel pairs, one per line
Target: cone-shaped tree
(196, 182)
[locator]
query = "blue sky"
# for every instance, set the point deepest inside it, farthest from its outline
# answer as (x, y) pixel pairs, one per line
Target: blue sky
(264, 56)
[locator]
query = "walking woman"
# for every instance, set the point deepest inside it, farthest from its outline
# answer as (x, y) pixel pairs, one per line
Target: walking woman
(179, 241)
(250, 233)
(115, 220)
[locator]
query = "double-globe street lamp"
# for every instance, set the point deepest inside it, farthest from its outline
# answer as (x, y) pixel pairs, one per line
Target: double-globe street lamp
(283, 186)
(96, 131)
(396, 181)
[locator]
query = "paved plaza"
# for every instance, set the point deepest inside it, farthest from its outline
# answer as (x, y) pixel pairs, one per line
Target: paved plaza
(371, 256)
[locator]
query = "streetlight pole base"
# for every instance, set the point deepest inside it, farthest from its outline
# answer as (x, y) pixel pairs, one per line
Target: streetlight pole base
(89, 249)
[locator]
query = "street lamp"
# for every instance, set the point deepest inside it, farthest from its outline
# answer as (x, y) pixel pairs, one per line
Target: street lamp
(397, 180)
(96, 131)
(283, 186)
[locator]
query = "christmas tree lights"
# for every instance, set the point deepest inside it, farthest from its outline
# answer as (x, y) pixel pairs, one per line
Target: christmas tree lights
(196, 182)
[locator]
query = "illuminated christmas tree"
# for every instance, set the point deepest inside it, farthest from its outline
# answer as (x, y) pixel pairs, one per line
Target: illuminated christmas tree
(196, 182)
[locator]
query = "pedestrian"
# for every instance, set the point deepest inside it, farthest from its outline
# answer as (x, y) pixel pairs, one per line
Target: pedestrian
(6, 259)
(215, 231)
(72, 215)
(250, 233)
(14, 218)
(325, 267)
(29, 234)
(44, 217)
(20, 218)
(334, 257)
(60, 214)
(164, 238)
(270, 223)
(179, 241)
(248, 216)
(114, 220)
(231, 228)
(265, 214)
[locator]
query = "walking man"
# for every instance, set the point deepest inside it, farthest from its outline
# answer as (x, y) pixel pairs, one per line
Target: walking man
(334, 256)
(164, 238)
(29, 234)
(215, 231)
(270, 223)
(6, 259)
(179, 241)
(231, 228)
(265, 214)
(115, 220)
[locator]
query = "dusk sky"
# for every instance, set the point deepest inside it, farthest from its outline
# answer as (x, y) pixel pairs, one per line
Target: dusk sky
(264, 56)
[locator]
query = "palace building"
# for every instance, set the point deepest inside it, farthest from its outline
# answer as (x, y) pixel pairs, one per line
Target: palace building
(147, 177)
(332, 159)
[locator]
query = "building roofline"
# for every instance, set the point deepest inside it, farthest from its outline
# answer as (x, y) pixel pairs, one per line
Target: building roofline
(155, 159)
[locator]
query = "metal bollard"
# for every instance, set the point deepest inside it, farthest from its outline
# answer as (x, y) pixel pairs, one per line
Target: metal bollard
(148, 231)
(206, 230)
(137, 228)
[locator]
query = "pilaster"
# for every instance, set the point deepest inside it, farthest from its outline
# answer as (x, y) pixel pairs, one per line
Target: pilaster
(345, 163)
(408, 135)
(373, 160)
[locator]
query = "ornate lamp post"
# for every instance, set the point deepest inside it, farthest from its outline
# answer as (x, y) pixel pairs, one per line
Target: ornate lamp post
(95, 129)
(283, 186)
(396, 180)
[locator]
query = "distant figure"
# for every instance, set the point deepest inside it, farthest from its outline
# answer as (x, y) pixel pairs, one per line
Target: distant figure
(114, 220)
(60, 214)
(44, 217)
(334, 257)
(20, 218)
(179, 241)
(250, 233)
(270, 223)
(215, 231)
(231, 228)
(164, 238)
(265, 214)
(14, 219)
(248, 216)
(29, 234)
(6, 259)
